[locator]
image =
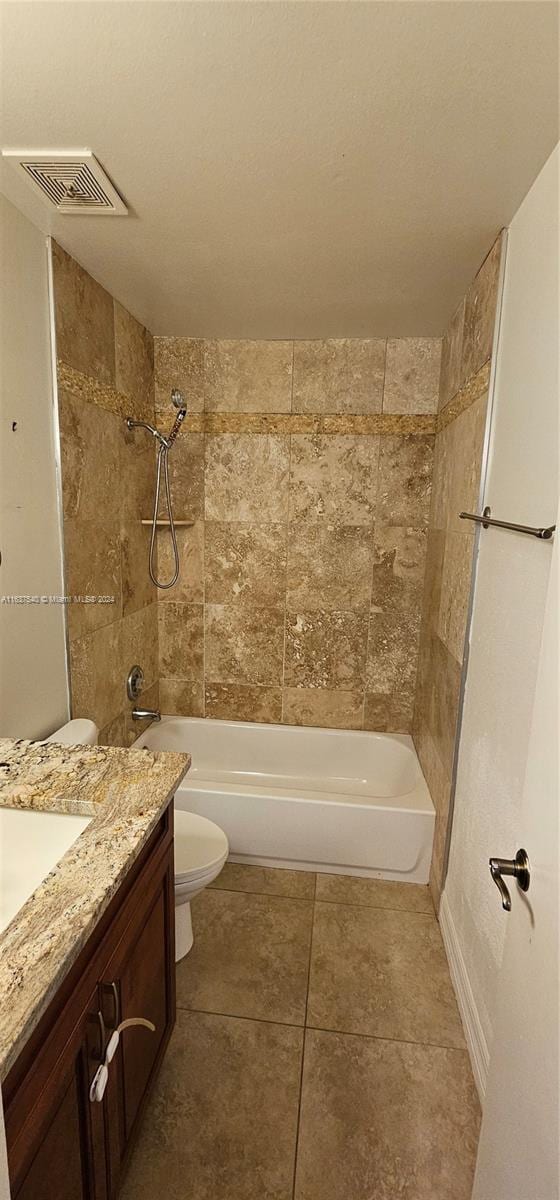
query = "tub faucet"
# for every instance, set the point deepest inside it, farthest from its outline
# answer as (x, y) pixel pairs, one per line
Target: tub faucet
(146, 714)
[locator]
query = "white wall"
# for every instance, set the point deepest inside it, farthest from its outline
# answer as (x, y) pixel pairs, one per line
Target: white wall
(33, 672)
(509, 602)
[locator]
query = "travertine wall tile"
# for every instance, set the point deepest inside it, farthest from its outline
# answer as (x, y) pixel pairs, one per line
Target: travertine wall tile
(181, 640)
(325, 650)
(114, 734)
(96, 684)
(186, 478)
(405, 480)
(412, 375)
(181, 697)
(134, 358)
(245, 563)
(243, 644)
(178, 363)
(432, 579)
(480, 313)
(392, 652)
(105, 372)
(85, 334)
(455, 590)
(90, 458)
(139, 644)
(387, 713)
(329, 567)
(467, 445)
(136, 471)
(333, 478)
(399, 559)
(451, 357)
(247, 477)
(314, 483)
(244, 702)
(339, 375)
(325, 709)
(190, 545)
(137, 587)
(93, 568)
(248, 376)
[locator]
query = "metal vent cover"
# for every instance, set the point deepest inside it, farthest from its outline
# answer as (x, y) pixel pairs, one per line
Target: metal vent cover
(73, 181)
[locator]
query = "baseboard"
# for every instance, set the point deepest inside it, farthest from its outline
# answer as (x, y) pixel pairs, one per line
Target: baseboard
(474, 1033)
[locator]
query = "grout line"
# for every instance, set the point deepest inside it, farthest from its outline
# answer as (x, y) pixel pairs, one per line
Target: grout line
(372, 535)
(267, 895)
(300, 1094)
(286, 547)
(211, 1012)
(412, 912)
(384, 376)
(378, 1037)
(315, 899)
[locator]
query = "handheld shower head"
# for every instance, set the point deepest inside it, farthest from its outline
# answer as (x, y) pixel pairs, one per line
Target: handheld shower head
(177, 398)
(176, 426)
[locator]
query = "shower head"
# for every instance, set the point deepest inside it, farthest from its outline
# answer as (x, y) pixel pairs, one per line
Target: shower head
(178, 399)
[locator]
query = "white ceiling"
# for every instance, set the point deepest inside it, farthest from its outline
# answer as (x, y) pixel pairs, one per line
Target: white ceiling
(304, 169)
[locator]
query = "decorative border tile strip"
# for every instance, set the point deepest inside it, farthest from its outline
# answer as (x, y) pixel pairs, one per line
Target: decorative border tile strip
(383, 424)
(472, 390)
(84, 387)
(325, 423)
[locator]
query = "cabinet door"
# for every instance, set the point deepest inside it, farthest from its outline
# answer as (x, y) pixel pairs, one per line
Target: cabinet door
(142, 971)
(56, 1138)
(58, 1171)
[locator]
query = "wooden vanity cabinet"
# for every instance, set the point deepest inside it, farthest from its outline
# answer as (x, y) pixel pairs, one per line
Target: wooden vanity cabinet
(62, 1145)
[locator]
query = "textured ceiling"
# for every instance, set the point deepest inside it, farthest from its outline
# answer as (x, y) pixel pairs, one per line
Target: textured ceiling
(292, 169)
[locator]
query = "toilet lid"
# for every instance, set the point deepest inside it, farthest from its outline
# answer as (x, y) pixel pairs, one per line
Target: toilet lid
(199, 843)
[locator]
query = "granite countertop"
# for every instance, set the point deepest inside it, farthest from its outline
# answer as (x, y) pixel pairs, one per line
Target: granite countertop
(125, 792)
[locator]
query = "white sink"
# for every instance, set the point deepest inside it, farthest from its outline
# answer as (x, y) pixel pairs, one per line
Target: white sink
(31, 844)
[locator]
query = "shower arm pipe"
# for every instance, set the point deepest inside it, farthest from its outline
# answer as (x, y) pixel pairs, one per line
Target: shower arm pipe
(131, 424)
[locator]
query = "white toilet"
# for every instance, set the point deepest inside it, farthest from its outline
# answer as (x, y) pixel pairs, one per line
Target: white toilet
(201, 847)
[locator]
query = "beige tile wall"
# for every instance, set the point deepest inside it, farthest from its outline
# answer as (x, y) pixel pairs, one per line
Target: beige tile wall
(465, 373)
(105, 372)
(306, 468)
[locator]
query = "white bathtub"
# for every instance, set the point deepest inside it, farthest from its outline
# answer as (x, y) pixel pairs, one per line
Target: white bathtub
(316, 799)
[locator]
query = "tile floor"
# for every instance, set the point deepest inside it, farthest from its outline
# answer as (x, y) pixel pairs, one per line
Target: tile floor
(318, 1052)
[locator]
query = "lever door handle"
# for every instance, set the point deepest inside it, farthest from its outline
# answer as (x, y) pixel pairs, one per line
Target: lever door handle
(518, 867)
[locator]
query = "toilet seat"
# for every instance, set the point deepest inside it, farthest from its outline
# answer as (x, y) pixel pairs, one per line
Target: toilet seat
(201, 847)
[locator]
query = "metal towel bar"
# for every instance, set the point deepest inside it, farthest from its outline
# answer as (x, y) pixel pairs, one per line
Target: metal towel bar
(544, 533)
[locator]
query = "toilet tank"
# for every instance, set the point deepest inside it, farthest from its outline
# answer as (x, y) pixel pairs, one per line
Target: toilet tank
(80, 732)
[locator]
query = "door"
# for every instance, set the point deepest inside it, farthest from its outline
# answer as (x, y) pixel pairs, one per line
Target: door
(519, 1148)
(506, 963)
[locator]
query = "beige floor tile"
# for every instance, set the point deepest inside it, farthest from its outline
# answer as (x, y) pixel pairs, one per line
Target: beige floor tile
(385, 1121)
(250, 956)
(222, 1122)
(270, 881)
(375, 893)
(383, 973)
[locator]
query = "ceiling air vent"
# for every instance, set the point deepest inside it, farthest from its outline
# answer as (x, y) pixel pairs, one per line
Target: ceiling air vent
(71, 180)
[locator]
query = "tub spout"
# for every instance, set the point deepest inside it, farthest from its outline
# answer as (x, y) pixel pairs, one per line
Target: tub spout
(146, 714)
